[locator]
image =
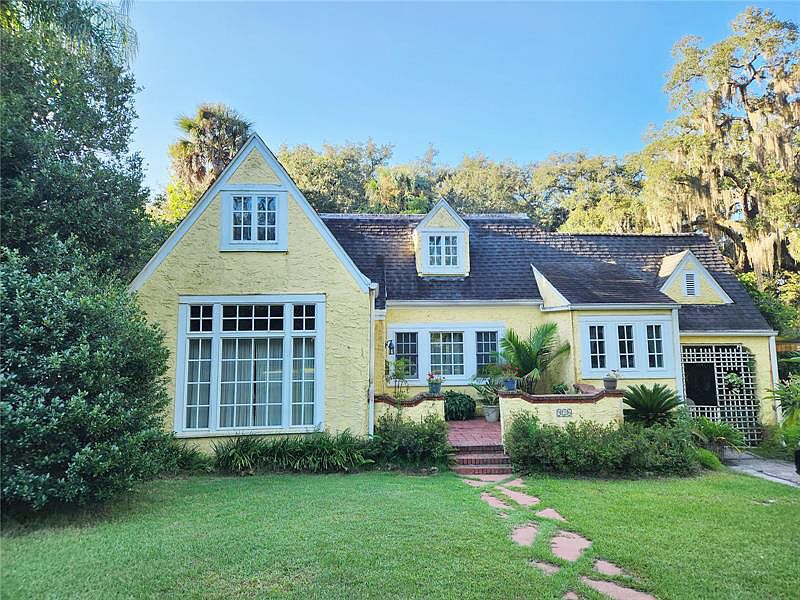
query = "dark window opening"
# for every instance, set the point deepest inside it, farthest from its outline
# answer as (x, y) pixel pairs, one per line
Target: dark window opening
(701, 385)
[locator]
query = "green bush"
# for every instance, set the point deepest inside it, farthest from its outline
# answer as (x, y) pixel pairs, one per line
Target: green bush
(81, 383)
(410, 444)
(587, 448)
(779, 442)
(458, 407)
(650, 405)
(707, 459)
(319, 452)
(716, 435)
(180, 457)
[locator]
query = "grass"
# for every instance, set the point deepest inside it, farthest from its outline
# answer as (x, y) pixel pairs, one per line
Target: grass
(385, 535)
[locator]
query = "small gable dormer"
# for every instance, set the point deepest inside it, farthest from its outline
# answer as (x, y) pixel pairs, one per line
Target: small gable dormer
(687, 281)
(441, 243)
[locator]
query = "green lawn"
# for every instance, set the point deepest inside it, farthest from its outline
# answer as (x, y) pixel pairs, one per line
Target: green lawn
(386, 535)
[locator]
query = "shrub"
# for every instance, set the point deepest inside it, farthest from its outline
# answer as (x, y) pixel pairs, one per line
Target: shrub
(410, 444)
(560, 388)
(587, 448)
(319, 452)
(488, 389)
(81, 383)
(707, 459)
(716, 435)
(650, 405)
(180, 457)
(787, 393)
(458, 407)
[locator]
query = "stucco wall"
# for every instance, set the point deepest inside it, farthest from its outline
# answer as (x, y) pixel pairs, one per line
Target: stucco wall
(197, 267)
(706, 293)
(759, 347)
(605, 411)
(254, 169)
(412, 413)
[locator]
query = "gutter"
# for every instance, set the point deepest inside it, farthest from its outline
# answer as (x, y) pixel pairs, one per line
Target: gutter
(607, 307)
(373, 294)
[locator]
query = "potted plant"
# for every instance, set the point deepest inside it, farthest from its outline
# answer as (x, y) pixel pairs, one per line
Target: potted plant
(510, 377)
(610, 380)
(435, 383)
(488, 390)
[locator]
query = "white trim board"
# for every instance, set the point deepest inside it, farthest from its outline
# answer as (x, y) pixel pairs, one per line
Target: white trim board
(730, 333)
(442, 204)
(423, 303)
(701, 269)
(610, 307)
(254, 143)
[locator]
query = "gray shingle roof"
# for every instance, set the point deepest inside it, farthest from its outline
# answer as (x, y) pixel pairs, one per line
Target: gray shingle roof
(586, 268)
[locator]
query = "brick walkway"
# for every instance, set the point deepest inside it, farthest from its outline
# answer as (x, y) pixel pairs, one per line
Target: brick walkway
(475, 432)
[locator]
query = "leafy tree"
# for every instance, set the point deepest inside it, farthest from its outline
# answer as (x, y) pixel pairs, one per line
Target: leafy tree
(81, 381)
(532, 357)
(730, 162)
(67, 112)
(337, 178)
(783, 316)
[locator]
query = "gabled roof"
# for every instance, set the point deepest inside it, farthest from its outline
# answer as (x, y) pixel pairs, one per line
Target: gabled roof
(503, 248)
(442, 205)
(254, 143)
(672, 265)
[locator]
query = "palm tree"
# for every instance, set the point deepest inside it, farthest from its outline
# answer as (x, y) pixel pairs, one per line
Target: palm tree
(533, 356)
(211, 138)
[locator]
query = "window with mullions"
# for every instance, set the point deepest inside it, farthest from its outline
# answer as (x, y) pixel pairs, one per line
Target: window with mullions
(627, 358)
(201, 318)
(251, 382)
(303, 375)
(447, 353)
(450, 251)
(655, 347)
(406, 349)
(255, 218)
(597, 346)
(252, 317)
(485, 350)
(198, 383)
(304, 317)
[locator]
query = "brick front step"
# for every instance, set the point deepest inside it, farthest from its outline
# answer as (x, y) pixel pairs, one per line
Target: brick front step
(483, 469)
(478, 449)
(494, 458)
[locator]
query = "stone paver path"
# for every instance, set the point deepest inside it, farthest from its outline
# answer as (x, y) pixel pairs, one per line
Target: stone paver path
(779, 471)
(616, 591)
(545, 567)
(525, 534)
(568, 546)
(519, 497)
(493, 502)
(550, 513)
(565, 545)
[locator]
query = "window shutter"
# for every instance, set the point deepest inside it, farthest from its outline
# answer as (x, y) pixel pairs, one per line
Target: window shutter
(689, 284)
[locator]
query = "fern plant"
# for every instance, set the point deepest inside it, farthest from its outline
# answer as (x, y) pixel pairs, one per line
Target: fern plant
(650, 405)
(717, 435)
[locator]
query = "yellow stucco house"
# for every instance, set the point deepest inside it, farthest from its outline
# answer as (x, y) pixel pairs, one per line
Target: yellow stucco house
(280, 320)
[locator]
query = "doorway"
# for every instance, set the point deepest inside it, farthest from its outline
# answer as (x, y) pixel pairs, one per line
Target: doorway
(701, 385)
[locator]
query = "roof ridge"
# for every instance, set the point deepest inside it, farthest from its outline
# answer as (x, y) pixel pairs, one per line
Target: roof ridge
(410, 216)
(633, 234)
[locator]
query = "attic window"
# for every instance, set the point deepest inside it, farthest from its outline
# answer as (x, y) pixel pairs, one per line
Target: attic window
(689, 284)
(254, 220)
(443, 250)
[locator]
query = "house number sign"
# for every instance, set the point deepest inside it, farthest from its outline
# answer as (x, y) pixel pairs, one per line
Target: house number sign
(563, 412)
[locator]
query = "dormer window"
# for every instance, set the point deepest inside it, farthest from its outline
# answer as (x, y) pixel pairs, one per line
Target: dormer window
(443, 250)
(254, 221)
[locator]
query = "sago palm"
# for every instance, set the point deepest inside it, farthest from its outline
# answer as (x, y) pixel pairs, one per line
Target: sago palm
(531, 357)
(650, 405)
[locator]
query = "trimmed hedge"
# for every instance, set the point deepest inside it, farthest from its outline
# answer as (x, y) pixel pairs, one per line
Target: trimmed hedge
(587, 448)
(458, 406)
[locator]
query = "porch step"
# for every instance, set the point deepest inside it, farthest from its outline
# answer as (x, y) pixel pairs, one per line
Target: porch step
(486, 449)
(474, 458)
(483, 469)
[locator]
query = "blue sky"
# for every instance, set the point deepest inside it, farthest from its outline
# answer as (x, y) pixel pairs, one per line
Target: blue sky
(513, 81)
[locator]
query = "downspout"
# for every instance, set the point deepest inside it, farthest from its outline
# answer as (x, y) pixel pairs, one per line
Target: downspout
(373, 294)
(676, 334)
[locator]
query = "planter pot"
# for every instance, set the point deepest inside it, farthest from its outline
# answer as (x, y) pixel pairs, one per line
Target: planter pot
(434, 389)
(491, 413)
(609, 383)
(511, 385)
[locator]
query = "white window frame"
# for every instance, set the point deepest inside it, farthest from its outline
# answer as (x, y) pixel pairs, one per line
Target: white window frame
(443, 269)
(639, 324)
(424, 330)
(287, 335)
(696, 279)
(279, 244)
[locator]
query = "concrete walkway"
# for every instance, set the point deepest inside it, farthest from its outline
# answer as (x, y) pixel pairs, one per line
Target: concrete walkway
(779, 471)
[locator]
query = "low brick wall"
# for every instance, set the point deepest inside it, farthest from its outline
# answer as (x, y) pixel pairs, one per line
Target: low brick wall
(604, 406)
(415, 408)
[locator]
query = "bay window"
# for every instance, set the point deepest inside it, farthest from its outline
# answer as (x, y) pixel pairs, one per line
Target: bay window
(249, 364)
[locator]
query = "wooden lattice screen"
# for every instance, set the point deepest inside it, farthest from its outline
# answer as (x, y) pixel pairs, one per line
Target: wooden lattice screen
(737, 406)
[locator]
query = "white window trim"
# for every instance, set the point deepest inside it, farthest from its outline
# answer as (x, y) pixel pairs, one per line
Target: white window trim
(216, 364)
(639, 323)
(279, 244)
(696, 284)
(427, 267)
(424, 331)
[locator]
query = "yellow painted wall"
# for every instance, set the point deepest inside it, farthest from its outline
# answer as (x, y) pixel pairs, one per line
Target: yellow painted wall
(550, 295)
(412, 413)
(605, 411)
(254, 169)
(707, 294)
(196, 266)
(759, 347)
